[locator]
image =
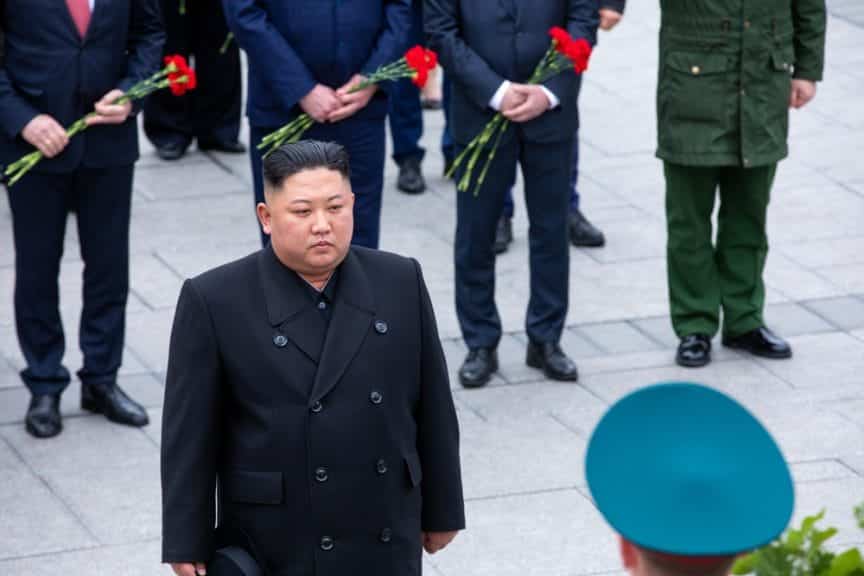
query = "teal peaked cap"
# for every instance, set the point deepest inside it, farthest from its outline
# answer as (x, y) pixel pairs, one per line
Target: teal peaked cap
(683, 469)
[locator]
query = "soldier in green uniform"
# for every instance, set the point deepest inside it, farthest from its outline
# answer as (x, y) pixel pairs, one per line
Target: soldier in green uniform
(688, 478)
(729, 72)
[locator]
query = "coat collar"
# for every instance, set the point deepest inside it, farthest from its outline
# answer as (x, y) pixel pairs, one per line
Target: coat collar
(353, 312)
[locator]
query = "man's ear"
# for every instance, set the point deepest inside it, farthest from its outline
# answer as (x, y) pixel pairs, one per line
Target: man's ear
(629, 554)
(263, 212)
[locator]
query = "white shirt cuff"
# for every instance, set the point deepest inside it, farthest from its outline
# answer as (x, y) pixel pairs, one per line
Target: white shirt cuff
(498, 97)
(553, 100)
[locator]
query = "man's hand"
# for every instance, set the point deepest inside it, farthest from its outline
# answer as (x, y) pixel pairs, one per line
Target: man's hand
(353, 102)
(189, 569)
(46, 134)
(803, 92)
(320, 102)
(511, 99)
(534, 104)
(109, 113)
(435, 541)
(609, 18)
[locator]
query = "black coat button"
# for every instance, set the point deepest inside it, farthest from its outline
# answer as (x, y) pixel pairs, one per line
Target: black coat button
(375, 397)
(317, 407)
(381, 467)
(327, 543)
(386, 535)
(380, 327)
(280, 341)
(321, 474)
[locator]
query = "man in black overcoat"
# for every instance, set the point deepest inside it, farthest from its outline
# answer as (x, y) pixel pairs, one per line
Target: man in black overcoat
(308, 383)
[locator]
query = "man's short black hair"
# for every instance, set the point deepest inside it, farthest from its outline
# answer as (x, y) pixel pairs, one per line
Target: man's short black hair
(295, 157)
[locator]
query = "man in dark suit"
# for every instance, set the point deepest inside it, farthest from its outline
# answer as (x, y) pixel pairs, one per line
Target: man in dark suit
(307, 380)
(211, 113)
(304, 56)
(489, 50)
(61, 60)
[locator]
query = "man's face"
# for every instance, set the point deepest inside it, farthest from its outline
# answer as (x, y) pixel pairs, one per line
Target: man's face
(310, 220)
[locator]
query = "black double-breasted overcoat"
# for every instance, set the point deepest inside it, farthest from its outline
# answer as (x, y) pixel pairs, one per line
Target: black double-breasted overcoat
(327, 468)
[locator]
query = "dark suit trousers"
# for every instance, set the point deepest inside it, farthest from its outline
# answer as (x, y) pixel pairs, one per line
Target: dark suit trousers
(404, 109)
(212, 111)
(365, 142)
(40, 204)
(546, 170)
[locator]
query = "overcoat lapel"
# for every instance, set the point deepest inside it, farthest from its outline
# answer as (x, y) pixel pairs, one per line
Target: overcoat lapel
(288, 307)
(353, 311)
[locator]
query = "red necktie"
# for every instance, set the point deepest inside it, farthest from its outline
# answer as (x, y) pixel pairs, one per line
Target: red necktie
(80, 11)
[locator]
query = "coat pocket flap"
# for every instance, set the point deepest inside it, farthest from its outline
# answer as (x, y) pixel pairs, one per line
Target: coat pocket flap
(698, 63)
(253, 487)
(415, 470)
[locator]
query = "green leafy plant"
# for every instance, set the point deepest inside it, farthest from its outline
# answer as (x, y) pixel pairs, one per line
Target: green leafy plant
(801, 552)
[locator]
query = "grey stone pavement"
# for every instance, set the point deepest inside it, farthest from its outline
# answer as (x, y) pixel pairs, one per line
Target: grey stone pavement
(88, 502)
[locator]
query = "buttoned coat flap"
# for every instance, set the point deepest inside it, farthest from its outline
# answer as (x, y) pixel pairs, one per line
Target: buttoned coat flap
(415, 470)
(254, 487)
(698, 63)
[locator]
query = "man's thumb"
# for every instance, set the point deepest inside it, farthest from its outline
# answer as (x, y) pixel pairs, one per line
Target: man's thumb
(200, 569)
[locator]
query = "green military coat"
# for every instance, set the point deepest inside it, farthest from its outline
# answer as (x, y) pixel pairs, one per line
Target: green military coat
(725, 77)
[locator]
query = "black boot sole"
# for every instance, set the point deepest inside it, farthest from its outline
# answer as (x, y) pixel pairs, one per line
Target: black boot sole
(771, 355)
(692, 363)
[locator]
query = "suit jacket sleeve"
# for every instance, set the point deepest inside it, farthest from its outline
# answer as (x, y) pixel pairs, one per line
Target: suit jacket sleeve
(616, 5)
(808, 19)
(393, 39)
(442, 27)
(190, 432)
(269, 51)
(15, 111)
(146, 40)
(582, 22)
(438, 437)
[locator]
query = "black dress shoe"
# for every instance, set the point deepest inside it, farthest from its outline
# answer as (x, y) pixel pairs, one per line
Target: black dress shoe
(478, 367)
(760, 342)
(583, 233)
(410, 178)
(43, 416)
(694, 351)
(228, 146)
(503, 235)
(113, 402)
(552, 360)
(171, 150)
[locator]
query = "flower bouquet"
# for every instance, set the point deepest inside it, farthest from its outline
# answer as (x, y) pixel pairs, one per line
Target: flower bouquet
(415, 64)
(564, 52)
(176, 75)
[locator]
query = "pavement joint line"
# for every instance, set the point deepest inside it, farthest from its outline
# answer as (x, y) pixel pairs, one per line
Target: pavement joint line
(79, 549)
(520, 493)
(218, 162)
(567, 427)
(468, 408)
(161, 259)
(632, 323)
(849, 467)
(62, 501)
(139, 296)
(807, 305)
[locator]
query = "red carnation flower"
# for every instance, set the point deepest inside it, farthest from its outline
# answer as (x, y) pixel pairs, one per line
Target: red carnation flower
(561, 37)
(420, 78)
(416, 58)
(579, 52)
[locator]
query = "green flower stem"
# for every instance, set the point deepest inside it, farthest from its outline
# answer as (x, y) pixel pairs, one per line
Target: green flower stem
(158, 81)
(182, 7)
(482, 178)
(226, 43)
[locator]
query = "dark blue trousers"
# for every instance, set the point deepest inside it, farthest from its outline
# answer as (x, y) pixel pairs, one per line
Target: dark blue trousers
(40, 204)
(509, 207)
(404, 109)
(448, 148)
(546, 171)
(365, 142)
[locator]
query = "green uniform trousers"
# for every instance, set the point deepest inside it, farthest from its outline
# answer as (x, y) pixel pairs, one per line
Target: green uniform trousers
(705, 276)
